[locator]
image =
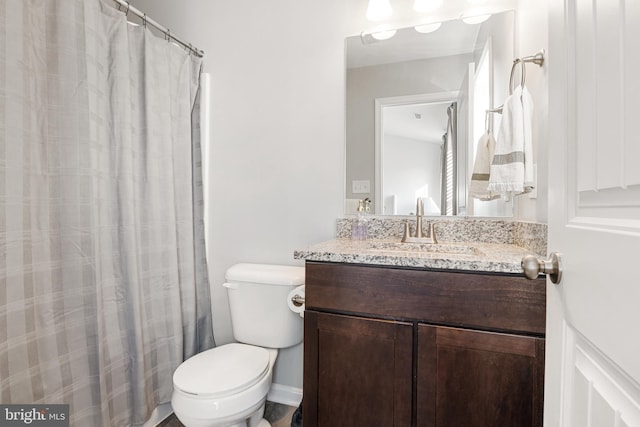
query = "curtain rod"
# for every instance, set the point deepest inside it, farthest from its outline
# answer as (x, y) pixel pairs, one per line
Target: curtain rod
(146, 20)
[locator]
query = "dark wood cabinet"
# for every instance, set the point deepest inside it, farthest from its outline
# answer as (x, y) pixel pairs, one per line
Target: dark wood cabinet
(478, 378)
(387, 346)
(372, 384)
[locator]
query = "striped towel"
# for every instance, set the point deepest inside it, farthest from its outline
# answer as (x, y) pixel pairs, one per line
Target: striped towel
(512, 164)
(479, 186)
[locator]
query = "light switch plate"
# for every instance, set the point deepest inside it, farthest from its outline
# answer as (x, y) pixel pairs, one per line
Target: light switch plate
(361, 186)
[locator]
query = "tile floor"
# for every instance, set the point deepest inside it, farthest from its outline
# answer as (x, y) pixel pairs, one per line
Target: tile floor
(278, 415)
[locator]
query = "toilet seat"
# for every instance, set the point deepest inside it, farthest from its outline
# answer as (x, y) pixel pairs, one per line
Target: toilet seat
(222, 371)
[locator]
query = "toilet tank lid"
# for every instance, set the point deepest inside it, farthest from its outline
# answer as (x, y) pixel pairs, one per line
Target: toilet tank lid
(269, 274)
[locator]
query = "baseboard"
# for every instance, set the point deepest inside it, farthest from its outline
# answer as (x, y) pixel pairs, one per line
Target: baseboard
(278, 393)
(285, 395)
(159, 414)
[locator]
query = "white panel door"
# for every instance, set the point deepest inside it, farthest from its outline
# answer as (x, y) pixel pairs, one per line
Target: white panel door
(593, 325)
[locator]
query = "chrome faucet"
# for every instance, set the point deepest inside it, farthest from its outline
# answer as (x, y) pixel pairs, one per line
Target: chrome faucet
(418, 236)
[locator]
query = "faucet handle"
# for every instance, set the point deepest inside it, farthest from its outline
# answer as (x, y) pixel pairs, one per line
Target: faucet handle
(367, 205)
(432, 233)
(407, 232)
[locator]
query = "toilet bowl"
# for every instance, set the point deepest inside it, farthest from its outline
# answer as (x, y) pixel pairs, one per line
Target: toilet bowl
(220, 386)
(227, 386)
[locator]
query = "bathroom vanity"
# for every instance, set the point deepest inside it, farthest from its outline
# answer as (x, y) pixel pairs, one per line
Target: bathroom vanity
(391, 340)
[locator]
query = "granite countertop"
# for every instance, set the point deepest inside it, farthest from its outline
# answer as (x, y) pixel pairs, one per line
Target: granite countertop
(465, 256)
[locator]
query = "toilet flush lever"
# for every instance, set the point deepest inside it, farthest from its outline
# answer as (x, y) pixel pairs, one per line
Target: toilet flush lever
(230, 285)
(297, 300)
(532, 266)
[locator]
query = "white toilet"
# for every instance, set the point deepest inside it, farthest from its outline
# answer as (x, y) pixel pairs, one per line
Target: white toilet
(227, 386)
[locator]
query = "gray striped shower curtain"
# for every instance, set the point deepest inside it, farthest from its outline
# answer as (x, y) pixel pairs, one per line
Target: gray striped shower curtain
(103, 286)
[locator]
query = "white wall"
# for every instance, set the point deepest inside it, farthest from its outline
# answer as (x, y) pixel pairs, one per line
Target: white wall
(278, 92)
(532, 35)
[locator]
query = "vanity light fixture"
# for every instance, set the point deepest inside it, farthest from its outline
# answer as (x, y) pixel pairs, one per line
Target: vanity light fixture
(383, 35)
(380, 34)
(424, 6)
(475, 16)
(377, 10)
(427, 28)
(376, 36)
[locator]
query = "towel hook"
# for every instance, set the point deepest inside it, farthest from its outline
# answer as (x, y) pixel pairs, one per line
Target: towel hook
(537, 58)
(523, 74)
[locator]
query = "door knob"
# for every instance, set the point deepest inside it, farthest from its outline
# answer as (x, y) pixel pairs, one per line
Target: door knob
(532, 266)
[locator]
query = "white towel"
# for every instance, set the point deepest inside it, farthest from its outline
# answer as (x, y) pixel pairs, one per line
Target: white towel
(512, 164)
(479, 186)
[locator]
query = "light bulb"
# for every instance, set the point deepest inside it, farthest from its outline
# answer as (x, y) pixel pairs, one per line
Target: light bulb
(427, 28)
(383, 35)
(377, 10)
(423, 6)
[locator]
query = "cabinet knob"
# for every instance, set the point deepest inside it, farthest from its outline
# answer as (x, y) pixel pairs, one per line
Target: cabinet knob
(532, 266)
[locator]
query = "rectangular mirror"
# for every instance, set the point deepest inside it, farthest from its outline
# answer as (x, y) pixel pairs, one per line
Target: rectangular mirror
(416, 107)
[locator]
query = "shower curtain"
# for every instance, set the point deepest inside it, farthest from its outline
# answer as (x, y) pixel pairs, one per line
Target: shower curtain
(449, 184)
(103, 287)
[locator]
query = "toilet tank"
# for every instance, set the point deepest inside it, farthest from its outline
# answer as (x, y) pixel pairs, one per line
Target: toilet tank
(258, 304)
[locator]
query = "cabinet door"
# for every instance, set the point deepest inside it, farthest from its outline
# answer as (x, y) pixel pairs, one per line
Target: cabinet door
(357, 372)
(478, 379)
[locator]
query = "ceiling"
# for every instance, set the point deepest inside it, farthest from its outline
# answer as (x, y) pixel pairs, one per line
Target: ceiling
(422, 122)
